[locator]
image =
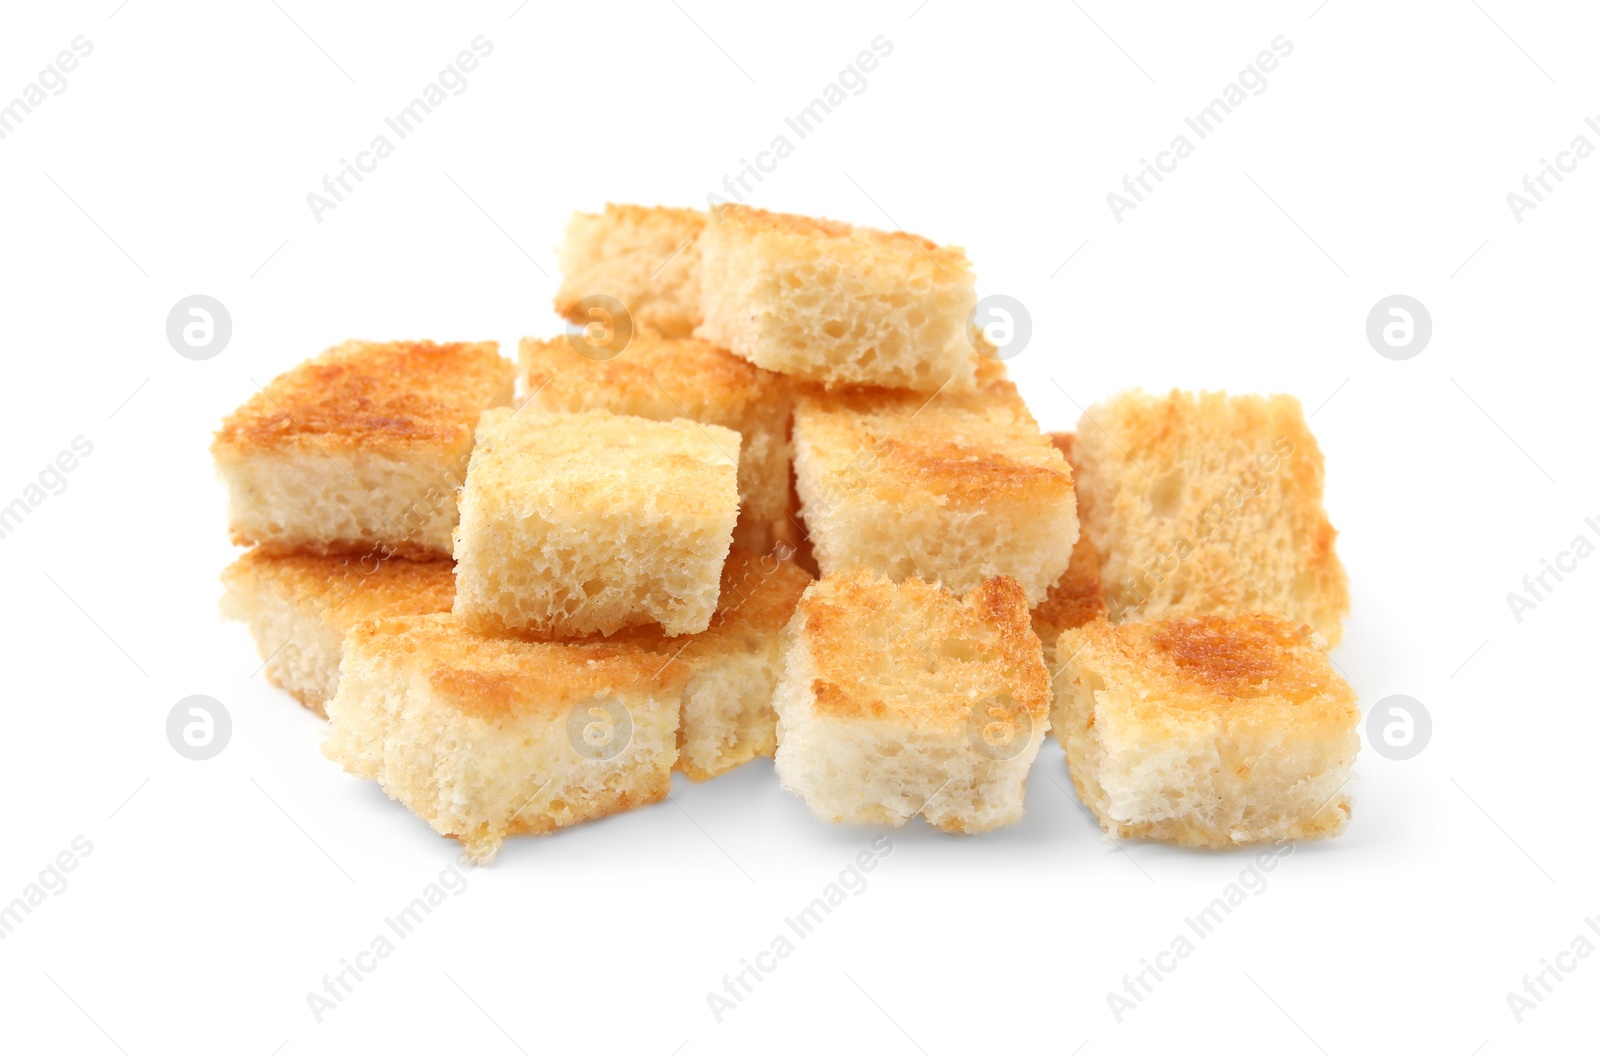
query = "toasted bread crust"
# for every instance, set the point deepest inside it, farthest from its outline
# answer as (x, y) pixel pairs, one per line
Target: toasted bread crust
(483, 844)
(493, 678)
(299, 606)
(597, 456)
(836, 304)
(483, 737)
(1075, 599)
(962, 448)
(1222, 663)
(572, 523)
(375, 397)
(727, 716)
(900, 700)
(1206, 731)
(1326, 823)
(956, 487)
(759, 594)
(346, 589)
(813, 236)
(757, 598)
(1079, 596)
(340, 549)
(849, 624)
(644, 256)
(991, 388)
(668, 377)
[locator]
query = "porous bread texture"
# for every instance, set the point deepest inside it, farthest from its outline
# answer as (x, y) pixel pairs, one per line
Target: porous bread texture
(1206, 731)
(359, 449)
(646, 257)
(734, 664)
(1077, 597)
(790, 534)
(488, 737)
(299, 607)
(576, 523)
(959, 487)
(901, 699)
(665, 378)
(1072, 601)
(1205, 503)
(836, 304)
(299, 501)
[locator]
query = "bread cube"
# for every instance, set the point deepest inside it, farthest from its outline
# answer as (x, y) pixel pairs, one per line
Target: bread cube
(360, 449)
(300, 606)
(901, 699)
(1205, 503)
(836, 304)
(575, 523)
(1206, 731)
(664, 378)
(956, 487)
(488, 737)
(734, 664)
(647, 258)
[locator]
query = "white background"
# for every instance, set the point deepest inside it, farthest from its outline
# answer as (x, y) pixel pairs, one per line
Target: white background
(1377, 161)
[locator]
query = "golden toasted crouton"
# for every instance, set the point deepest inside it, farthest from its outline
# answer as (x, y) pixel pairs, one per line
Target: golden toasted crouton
(647, 258)
(359, 449)
(574, 523)
(665, 378)
(299, 607)
(836, 304)
(487, 737)
(956, 487)
(1207, 731)
(902, 699)
(1205, 503)
(734, 664)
